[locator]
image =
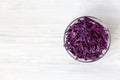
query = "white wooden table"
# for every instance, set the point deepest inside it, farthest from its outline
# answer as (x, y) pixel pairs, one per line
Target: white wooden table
(31, 40)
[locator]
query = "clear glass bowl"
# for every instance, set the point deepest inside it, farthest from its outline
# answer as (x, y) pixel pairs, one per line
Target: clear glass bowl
(103, 52)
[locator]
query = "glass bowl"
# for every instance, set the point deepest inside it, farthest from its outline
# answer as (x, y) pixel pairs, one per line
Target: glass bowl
(103, 51)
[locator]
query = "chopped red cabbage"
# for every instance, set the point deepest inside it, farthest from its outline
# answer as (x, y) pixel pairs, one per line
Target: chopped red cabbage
(86, 39)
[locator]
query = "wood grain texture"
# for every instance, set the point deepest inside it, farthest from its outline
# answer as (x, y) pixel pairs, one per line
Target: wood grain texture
(31, 40)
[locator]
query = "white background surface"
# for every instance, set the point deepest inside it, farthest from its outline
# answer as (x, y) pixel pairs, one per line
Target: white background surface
(31, 40)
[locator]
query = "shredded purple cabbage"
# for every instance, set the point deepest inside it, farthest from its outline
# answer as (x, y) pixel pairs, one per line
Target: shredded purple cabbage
(86, 39)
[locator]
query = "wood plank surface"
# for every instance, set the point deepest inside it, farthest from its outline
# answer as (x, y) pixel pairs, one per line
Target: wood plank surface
(31, 40)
